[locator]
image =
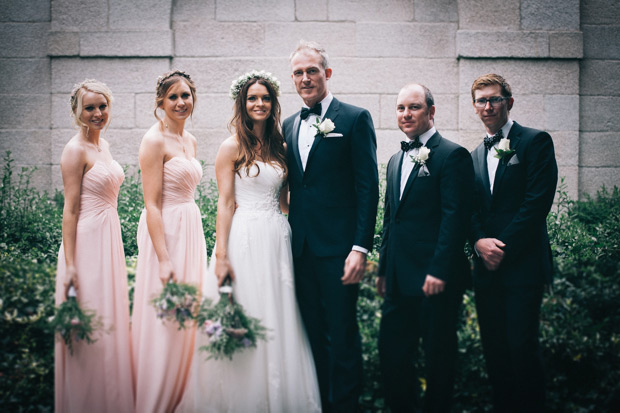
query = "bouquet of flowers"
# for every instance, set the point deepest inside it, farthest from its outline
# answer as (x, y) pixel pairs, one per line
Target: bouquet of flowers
(177, 302)
(73, 323)
(228, 327)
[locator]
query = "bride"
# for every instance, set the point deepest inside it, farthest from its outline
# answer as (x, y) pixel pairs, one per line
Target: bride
(253, 249)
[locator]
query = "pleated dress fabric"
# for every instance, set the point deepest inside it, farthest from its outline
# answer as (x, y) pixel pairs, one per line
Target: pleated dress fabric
(162, 354)
(97, 377)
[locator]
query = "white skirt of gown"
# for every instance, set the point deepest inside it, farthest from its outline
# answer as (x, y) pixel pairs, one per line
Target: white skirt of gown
(279, 374)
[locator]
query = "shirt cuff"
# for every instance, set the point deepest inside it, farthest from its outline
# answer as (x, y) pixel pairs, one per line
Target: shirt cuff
(359, 249)
(476, 249)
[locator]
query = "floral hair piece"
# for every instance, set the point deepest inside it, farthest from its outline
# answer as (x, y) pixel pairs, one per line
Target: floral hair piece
(238, 83)
(166, 76)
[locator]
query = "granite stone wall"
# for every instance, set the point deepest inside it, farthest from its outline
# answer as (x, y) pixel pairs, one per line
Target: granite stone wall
(562, 59)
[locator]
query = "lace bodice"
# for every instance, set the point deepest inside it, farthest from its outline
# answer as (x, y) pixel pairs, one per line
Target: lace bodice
(259, 193)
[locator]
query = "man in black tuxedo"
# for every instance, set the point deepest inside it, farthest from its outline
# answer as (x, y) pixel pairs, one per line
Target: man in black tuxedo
(333, 182)
(423, 269)
(516, 177)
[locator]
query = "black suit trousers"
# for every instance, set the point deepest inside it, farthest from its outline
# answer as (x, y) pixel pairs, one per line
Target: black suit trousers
(509, 326)
(328, 310)
(406, 319)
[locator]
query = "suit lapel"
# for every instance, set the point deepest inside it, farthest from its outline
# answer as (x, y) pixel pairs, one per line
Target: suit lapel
(480, 157)
(332, 113)
(295, 143)
(395, 180)
(514, 136)
(432, 145)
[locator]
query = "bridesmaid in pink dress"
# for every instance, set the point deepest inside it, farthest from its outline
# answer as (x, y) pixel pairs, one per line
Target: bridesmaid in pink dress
(171, 245)
(96, 377)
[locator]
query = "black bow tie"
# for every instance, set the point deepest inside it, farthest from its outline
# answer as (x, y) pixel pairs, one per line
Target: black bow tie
(406, 146)
(489, 141)
(305, 112)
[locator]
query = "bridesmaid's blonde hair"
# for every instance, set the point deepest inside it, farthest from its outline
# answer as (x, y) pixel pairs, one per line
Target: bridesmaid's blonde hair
(78, 92)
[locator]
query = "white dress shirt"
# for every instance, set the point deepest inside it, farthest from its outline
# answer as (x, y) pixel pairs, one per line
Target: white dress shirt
(492, 161)
(408, 162)
(307, 131)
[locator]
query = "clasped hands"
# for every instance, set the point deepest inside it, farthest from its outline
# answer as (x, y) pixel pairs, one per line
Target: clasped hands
(491, 251)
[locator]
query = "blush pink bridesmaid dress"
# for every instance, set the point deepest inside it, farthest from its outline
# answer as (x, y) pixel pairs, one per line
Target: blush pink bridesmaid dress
(97, 377)
(162, 354)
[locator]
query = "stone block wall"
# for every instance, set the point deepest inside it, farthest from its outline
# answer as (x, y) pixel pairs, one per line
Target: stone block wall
(561, 58)
(599, 113)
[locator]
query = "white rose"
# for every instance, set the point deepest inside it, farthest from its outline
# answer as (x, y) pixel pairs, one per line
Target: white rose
(423, 153)
(504, 145)
(326, 126)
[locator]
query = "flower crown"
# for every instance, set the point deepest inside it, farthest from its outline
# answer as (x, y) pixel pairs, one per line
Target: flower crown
(166, 76)
(238, 83)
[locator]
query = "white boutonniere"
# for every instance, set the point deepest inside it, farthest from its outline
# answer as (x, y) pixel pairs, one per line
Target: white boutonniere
(420, 160)
(503, 149)
(325, 127)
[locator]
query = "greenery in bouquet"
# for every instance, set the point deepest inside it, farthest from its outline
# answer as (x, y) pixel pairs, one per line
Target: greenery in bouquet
(228, 327)
(176, 302)
(73, 323)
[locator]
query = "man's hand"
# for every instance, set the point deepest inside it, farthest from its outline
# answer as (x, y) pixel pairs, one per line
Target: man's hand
(433, 285)
(380, 283)
(491, 252)
(354, 268)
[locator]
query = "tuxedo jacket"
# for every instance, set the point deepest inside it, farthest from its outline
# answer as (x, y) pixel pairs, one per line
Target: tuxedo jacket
(333, 203)
(425, 231)
(516, 211)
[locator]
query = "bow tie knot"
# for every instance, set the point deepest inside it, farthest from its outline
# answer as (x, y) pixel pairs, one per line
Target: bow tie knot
(489, 141)
(305, 112)
(406, 146)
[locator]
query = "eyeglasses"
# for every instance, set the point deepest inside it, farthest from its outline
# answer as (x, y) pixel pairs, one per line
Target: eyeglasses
(494, 101)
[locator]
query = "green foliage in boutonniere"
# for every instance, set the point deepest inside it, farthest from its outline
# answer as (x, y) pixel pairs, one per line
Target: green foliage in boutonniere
(503, 150)
(325, 127)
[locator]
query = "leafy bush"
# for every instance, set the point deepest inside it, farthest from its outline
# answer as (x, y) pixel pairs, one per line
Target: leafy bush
(27, 361)
(130, 204)
(581, 315)
(30, 222)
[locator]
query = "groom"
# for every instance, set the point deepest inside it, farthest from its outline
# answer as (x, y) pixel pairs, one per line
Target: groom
(333, 182)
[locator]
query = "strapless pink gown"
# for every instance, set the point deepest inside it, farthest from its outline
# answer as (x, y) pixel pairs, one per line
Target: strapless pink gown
(97, 377)
(162, 354)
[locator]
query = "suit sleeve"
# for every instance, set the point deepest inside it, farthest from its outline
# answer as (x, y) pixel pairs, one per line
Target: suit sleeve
(364, 158)
(456, 185)
(542, 178)
(386, 225)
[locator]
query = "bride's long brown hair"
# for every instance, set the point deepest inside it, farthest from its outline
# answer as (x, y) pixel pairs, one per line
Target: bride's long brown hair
(272, 147)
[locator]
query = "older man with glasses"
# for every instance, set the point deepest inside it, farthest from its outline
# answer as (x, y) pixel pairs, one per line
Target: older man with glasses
(516, 177)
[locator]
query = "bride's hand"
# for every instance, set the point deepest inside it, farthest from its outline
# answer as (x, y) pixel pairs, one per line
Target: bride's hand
(166, 272)
(223, 269)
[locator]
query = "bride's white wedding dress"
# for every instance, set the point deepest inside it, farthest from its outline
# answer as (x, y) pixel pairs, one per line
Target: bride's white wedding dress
(278, 375)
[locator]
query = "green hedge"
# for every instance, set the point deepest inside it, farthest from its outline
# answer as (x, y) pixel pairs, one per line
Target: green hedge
(580, 316)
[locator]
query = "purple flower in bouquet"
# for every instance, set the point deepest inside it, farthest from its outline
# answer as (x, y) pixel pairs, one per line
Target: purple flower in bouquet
(233, 331)
(177, 302)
